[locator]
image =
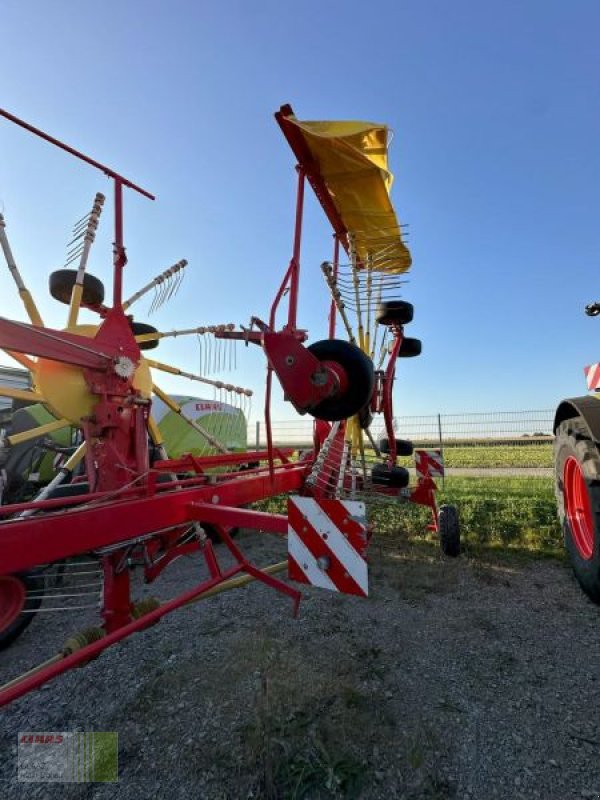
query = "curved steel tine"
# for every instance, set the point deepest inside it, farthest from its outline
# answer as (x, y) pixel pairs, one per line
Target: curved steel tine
(153, 303)
(180, 277)
(174, 283)
(168, 287)
(164, 286)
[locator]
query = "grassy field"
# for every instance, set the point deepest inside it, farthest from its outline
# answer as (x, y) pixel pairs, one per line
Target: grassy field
(503, 513)
(482, 456)
(516, 513)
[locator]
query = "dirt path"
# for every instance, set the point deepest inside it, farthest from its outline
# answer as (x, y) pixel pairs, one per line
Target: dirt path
(456, 679)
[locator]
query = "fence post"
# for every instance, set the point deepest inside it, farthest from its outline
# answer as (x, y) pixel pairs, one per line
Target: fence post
(257, 434)
(439, 419)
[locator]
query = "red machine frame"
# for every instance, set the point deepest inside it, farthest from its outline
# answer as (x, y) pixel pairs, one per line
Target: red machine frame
(129, 516)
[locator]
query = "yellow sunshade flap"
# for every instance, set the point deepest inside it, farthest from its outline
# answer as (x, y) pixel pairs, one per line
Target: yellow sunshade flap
(352, 158)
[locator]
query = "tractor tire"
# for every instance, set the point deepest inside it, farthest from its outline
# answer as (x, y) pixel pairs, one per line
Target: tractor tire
(17, 606)
(410, 348)
(391, 477)
(139, 329)
(449, 526)
(403, 447)
(577, 484)
(61, 284)
(361, 379)
(394, 312)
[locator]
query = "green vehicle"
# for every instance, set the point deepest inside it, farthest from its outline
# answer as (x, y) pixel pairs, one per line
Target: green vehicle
(32, 464)
(223, 421)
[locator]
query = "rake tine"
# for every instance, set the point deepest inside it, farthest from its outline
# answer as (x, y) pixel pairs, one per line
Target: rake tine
(153, 303)
(171, 283)
(180, 277)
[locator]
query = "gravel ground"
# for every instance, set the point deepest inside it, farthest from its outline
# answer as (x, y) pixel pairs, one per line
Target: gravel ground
(473, 678)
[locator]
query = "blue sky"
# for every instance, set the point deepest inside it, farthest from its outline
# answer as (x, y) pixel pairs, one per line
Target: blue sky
(495, 109)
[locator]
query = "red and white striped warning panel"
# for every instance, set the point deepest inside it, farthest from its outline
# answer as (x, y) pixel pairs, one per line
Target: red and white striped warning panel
(592, 375)
(327, 542)
(429, 463)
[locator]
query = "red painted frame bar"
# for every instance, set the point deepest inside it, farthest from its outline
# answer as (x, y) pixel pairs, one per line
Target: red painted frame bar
(94, 649)
(78, 154)
(198, 463)
(119, 257)
(56, 345)
(241, 518)
(25, 543)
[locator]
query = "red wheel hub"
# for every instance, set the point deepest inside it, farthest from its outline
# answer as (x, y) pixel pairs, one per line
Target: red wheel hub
(578, 508)
(12, 599)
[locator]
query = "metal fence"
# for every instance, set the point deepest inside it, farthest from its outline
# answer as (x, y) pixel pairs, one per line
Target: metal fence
(485, 428)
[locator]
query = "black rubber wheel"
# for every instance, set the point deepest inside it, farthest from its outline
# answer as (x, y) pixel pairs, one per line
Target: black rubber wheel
(61, 284)
(577, 485)
(403, 447)
(213, 534)
(392, 477)
(15, 613)
(365, 417)
(139, 329)
(361, 379)
(449, 531)
(410, 348)
(394, 312)
(69, 490)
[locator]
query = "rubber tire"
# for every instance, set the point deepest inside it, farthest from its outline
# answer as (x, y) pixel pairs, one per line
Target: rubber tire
(69, 490)
(16, 628)
(394, 312)
(61, 284)
(391, 477)
(139, 329)
(365, 417)
(403, 447)
(573, 440)
(449, 527)
(361, 379)
(213, 534)
(410, 348)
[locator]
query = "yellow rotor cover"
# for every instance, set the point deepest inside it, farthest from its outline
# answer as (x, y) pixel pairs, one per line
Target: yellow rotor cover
(64, 387)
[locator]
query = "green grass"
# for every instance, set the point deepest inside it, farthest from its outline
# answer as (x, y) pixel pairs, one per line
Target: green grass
(517, 513)
(485, 456)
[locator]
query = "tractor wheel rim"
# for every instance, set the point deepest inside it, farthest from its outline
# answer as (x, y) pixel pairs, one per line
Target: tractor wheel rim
(578, 508)
(13, 595)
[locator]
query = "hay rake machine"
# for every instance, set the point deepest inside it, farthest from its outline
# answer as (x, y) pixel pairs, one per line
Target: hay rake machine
(117, 501)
